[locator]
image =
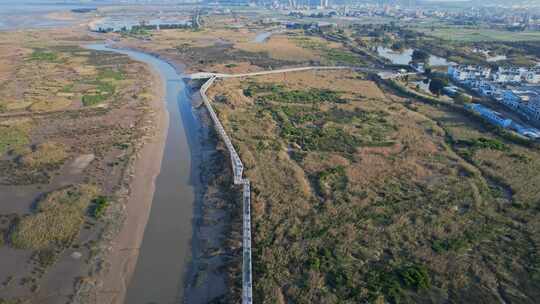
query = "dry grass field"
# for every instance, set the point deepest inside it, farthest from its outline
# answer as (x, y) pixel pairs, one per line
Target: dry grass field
(362, 196)
(228, 49)
(71, 121)
(279, 46)
(54, 78)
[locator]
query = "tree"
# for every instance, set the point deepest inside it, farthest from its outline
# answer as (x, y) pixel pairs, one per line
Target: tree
(396, 46)
(420, 56)
(462, 98)
(427, 70)
(437, 85)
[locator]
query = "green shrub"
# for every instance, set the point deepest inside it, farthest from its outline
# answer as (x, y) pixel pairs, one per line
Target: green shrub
(485, 143)
(92, 100)
(392, 283)
(57, 221)
(98, 207)
(12, 137)
(277, 93)
(111, 74)
(68, 88)
(41, 55)
(256, 88)
(46, 257)
(332, 180)
(339, 56)
(104, 91)
(415, 277)
(303, 96)
(439, 246)
(12, 301)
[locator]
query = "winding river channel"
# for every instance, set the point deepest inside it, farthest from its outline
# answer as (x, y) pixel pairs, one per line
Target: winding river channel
(165, 249)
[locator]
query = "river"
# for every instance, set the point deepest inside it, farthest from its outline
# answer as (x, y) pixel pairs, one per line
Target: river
(165, 249)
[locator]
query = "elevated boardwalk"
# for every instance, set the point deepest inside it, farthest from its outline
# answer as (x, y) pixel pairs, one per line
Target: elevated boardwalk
(204, 75)
(238, 169)
(383, 73)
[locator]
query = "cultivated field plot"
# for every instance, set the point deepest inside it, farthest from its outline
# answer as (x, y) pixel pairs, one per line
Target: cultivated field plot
(71, 122)
(363, 196)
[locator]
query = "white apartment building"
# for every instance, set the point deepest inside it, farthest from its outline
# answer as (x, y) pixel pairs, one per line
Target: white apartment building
(467, 72)
(516, 74)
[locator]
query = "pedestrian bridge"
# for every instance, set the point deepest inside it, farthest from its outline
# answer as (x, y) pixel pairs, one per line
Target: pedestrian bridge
(203, 75)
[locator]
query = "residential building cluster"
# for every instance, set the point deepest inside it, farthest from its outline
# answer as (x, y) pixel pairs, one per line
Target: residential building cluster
(502, 75)
(498, 119)
(515, 87)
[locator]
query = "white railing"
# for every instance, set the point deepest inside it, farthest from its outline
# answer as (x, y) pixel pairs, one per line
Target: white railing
(238, 169)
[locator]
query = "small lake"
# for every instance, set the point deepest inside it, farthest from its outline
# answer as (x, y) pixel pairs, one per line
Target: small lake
(496, 58)
(405, 56)
(262, 37)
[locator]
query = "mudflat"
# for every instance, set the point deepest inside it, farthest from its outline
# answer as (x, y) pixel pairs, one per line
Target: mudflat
(81, 138)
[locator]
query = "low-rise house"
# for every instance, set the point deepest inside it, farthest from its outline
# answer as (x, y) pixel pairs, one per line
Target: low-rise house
(516, 75)
(530, 104)
(532, 76)
(420, 67)
(506, 77)
(494, 117)
(486, 88)
(510, 99)
(467, 72)
(526, 131)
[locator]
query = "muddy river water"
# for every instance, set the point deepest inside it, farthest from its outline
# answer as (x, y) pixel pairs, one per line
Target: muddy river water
(165, 249)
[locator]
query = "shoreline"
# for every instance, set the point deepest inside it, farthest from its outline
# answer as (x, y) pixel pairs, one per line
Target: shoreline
(124, 248)
(122, 252)
(213, 251)
(204, 279)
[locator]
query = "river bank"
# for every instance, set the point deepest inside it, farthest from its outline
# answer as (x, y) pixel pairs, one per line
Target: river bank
(124, 250)
(213, 268)
(115, 257)
(191, 242)
(214, 271)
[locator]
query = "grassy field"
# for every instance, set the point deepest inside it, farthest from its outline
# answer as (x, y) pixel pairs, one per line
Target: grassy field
(280, 47)
(361, 196)
(482, 34)
(57, 220)
(13, 134)
(329, 51)
(52, 78)
(45, 154)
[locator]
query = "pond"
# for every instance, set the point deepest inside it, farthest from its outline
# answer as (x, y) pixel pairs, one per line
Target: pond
(405, 56)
